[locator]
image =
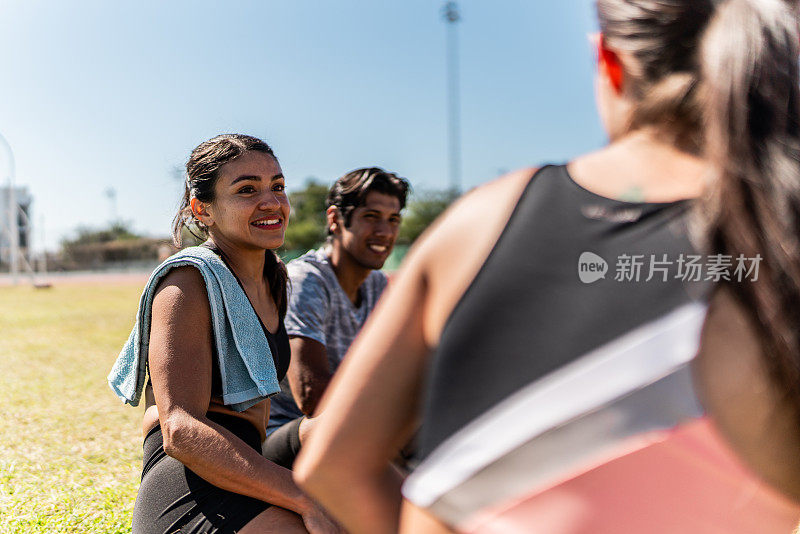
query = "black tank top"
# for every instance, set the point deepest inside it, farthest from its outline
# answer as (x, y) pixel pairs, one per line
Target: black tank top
(528, 312)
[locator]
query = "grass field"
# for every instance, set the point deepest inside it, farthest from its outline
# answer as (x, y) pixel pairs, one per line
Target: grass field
(70, 451)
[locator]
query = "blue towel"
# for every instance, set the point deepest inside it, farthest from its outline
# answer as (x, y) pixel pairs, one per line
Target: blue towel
(246, 365)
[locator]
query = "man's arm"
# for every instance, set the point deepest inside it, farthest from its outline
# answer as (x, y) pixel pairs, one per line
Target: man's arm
(308, 311)
(308, 372)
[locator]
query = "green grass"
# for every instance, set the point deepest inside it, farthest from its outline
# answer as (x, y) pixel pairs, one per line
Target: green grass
(70, 451)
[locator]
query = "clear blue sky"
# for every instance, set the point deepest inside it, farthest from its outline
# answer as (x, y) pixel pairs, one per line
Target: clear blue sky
(97, 94)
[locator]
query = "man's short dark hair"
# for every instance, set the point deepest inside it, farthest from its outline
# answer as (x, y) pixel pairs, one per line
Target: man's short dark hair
(351, 190)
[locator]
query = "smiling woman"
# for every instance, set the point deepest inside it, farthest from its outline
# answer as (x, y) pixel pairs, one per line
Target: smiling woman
(250, 205)
(249, 165)
(236, 179)
(214, 343)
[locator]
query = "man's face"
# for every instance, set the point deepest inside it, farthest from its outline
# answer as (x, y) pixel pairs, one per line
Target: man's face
(373, 230)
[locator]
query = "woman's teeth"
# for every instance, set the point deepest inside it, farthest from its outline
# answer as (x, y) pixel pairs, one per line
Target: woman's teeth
(377, 248)
(267, 222)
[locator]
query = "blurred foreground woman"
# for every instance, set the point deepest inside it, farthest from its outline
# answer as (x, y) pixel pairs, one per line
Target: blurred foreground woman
(579, 364)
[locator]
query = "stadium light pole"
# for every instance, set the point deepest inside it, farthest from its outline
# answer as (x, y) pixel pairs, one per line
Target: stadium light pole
(13, 230)
(451, 17)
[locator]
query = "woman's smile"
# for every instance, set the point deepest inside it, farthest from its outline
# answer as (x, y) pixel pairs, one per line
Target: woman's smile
(270, 222)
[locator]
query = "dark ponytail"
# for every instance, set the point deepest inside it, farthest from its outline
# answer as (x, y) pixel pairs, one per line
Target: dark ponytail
(278, 279)
(749, 63)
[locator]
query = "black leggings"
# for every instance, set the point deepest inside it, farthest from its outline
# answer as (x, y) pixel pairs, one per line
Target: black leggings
(283, 445)
(174, 499)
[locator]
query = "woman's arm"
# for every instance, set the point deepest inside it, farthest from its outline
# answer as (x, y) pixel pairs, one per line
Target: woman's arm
(739, 393)
(370, 408)
(180, 360)
(370, 414)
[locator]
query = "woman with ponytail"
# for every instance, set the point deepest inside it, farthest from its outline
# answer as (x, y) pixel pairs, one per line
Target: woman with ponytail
(209, 348)
(618, 348)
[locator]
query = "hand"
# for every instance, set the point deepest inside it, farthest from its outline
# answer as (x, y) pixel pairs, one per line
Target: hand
(318, 522)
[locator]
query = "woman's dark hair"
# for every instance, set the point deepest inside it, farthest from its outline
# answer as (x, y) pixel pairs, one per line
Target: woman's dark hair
(723, 76)
(202, 172)
(351, 190)
(662, 37)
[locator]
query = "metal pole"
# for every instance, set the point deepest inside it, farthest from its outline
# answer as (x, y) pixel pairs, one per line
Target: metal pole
(13, 230)
(452, 16)
(43, 256)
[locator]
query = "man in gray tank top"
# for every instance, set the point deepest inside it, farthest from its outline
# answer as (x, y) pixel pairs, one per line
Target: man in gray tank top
(334, 288)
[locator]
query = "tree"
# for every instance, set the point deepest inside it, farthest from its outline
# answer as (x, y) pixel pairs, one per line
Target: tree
(116, 244)
(307, 228)
(116, 231)
(421, 211)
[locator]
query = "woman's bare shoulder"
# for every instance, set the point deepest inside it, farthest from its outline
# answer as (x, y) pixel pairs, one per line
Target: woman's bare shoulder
(453, 249)
(479, 215)
(181, 293)
(180, 351)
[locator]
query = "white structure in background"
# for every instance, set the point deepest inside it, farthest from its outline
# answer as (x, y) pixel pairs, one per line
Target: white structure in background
(15, 239)
(15, 205)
